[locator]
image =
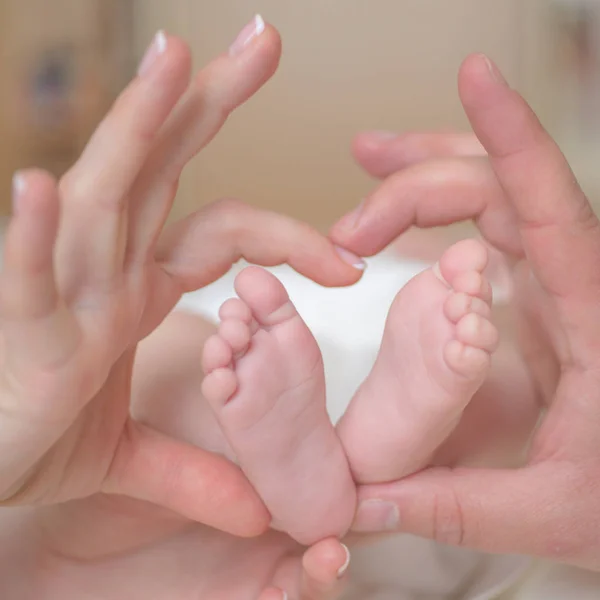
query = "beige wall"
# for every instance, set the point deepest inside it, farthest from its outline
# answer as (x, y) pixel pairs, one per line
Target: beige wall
(95, 32)
(346, 65)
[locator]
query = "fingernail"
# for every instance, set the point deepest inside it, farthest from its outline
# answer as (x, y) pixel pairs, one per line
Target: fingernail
(18, 188)
(342, 570)
(376, 515)
(494, 71)
(156, 48)
(246, 35)
(350, 258)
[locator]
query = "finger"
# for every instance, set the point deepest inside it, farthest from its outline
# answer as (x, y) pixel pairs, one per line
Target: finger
(216, 91)
(382, 154)
(324, 566)
(535, 511)
(273, 594)
(95, 190)
(194, 483)
(561, 233)
(321, 575)
(430, 194)
(203, 247)
(39, 332)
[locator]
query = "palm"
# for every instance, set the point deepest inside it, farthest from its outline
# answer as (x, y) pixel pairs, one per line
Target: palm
(90, 380)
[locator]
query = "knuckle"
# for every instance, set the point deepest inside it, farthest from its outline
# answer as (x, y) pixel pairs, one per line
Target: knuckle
(586, 216)
(71, 187)
(231, 213)
(448, 520)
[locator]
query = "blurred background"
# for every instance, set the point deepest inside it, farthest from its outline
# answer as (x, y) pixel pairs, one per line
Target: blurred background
(347, 65)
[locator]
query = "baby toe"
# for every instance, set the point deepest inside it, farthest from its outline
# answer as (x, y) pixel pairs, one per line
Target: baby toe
(217, 354)
(459, 304)
(476, 331)
(467, 361)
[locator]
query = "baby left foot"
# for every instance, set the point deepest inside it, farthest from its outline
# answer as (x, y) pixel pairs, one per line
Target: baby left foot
(265, 382)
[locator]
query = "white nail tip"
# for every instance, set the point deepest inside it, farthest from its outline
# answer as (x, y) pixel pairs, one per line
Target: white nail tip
(342, 570)
(259, 27)
(18, 184)
(161, 41)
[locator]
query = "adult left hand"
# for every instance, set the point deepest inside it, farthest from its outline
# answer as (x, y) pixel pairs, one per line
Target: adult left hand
(527, 204)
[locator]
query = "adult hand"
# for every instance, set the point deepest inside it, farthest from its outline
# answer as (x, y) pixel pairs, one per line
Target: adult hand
(527, 203)
(161, 554)
(88, 272)
(100, 548)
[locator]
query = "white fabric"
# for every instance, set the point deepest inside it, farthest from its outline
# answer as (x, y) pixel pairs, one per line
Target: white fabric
(348, 324)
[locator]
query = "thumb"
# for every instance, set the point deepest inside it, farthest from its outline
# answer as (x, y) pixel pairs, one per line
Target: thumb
(534, 511)
(192, 482)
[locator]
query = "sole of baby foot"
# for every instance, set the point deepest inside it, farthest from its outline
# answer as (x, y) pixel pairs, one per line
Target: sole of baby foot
(435, 354)
(265, 382)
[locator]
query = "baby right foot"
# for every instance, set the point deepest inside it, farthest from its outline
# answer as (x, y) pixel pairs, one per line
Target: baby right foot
(435, 354)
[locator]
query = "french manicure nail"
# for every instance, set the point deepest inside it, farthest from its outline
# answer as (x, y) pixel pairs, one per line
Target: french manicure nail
(156, 48)
(494, 71)
(376, 516)
(350, 258)
(342, 570)
(246, 35)
(18, 188)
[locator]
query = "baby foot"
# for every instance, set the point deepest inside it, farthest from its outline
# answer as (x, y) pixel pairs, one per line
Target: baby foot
(265, 382)
(435, 354)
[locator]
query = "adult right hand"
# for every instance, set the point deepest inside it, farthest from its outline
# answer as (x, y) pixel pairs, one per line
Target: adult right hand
(527, 203)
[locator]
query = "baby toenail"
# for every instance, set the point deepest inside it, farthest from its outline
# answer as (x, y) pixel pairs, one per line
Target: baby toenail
(342, 570)
(375, 516)
(438, 273)
(479, 306)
